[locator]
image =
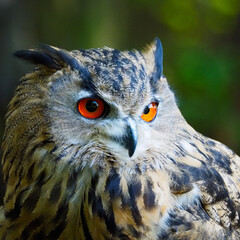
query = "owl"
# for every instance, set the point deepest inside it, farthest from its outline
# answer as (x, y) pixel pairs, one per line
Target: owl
(95, 148)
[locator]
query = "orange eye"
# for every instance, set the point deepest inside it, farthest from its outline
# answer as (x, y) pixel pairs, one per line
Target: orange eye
(91, 107)
(150, 112)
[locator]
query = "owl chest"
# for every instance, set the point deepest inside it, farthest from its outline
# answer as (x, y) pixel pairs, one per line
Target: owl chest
(118, 209)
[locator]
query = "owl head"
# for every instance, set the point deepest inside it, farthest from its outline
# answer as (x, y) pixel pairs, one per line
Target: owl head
(96, 100)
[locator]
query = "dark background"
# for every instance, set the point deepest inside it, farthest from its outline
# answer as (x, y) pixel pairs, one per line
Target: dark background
(200, 40)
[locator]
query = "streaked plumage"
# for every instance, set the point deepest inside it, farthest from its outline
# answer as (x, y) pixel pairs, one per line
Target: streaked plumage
(116, 176)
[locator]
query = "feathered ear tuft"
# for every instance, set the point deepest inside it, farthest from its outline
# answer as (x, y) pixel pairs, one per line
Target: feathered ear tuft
(154, 60)
(48, 56)
(37, 57)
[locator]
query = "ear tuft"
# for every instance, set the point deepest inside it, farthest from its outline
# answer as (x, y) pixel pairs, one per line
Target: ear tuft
(154, 60)
(48, 56)
(62, 56)
(37, 57)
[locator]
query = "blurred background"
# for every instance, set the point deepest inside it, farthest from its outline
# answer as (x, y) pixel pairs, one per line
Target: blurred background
(201, 41)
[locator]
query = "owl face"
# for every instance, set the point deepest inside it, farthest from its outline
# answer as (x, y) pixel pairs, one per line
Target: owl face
(104, 98)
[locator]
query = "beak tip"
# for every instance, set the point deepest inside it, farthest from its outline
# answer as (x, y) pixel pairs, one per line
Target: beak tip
(131, 149)
(130, 153)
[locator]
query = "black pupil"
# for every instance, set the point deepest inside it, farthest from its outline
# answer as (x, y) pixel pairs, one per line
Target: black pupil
(92, 106)
(146, 110)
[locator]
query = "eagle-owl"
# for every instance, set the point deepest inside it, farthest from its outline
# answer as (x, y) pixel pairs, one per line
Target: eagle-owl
(96, 148)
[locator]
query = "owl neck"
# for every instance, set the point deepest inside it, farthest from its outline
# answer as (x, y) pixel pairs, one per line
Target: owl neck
(92, 203)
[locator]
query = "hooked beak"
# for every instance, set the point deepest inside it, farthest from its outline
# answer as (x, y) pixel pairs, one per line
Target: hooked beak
(129, 139)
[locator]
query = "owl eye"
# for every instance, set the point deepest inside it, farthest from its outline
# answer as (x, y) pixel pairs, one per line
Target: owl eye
(91, 107)
(150, 112)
